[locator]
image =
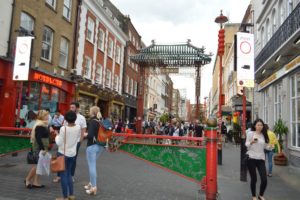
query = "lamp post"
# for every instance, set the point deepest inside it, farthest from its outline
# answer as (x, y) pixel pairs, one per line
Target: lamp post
(220, 20)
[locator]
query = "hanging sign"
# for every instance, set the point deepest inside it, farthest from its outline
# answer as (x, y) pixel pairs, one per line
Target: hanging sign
(22, 58)
(245, 59)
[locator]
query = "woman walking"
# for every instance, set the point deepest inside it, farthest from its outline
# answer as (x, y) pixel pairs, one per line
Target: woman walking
(40, 141)
(93, 150)
(66, 141)
(257, 141)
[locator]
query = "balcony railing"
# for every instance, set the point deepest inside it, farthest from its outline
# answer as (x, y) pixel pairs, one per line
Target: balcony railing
(284, 32)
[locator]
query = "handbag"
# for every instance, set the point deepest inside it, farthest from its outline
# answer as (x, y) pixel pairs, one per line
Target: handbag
(57, 164)
(32, 157)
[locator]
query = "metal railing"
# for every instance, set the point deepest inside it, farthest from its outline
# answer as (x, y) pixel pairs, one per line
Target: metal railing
(284, 32)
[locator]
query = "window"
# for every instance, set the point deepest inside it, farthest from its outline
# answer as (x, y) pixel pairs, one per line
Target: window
(281, 12)
(108, 78)
(262, 37)
(274, 25)
(26, 24)
(67, 9)
(290, 6)
(98, 77)
(63, 53)
(277, 101)
(127, 84)
(265, 106)
(129, 35)
(90, 30)
(135, 88)
(51, 3)
(131, 87)
(88, 67)
(101, 40)
(268, 29)
(133, 41)
(110, 47)
(128, 59)
(116, 82)
(295, 106)
(118, 54)
(47, 43)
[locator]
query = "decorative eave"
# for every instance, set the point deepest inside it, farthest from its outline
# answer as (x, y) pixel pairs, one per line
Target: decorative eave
(171, 55)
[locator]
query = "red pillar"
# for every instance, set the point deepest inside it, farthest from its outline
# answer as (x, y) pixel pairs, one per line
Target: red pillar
(140, 100)
(211, 164)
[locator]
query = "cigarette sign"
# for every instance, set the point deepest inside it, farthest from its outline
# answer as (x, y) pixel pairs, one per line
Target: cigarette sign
(22, 58)
(245, 59)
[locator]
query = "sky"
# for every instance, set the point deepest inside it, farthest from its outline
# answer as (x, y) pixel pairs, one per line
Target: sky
(175, 21)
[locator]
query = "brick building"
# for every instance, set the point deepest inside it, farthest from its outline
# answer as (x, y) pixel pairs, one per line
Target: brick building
(51, 23)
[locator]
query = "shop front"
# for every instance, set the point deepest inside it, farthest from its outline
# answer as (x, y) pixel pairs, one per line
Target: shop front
(116, 111)
(41, 91)
(130, 109)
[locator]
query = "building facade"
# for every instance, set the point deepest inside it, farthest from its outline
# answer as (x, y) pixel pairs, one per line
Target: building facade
(100, 60)
(52, 25)
(277, 68)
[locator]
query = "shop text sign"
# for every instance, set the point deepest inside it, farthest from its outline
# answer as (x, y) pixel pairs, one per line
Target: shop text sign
(245, 59)
(47, 79)
(22, 58)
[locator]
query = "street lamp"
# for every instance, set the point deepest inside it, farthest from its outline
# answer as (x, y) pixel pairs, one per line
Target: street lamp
(220, 20)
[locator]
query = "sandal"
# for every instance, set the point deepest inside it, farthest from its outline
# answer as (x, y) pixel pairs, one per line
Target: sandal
(56, 179)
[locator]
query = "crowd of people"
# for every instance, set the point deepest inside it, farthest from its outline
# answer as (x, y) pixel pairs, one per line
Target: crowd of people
(69, 132)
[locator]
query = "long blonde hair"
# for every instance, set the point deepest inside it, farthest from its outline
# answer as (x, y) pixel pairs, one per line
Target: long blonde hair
(41, 115)
(95, 112)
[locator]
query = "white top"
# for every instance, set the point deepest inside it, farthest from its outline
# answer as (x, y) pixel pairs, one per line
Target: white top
(73, 135)
(80, 120)
(256, 150)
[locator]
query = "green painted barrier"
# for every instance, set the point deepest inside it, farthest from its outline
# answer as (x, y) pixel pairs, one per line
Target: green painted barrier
(9, 144)
(190, 162)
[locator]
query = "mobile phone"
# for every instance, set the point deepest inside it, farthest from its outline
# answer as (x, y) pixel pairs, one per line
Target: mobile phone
(255, 139)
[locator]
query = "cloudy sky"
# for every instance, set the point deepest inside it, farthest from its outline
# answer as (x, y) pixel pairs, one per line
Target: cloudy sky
(173, 21)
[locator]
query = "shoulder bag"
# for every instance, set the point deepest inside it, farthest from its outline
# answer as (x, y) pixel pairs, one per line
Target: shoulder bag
(57, 164)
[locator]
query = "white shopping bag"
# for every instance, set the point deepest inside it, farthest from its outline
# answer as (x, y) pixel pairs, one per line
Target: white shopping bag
(43, 166)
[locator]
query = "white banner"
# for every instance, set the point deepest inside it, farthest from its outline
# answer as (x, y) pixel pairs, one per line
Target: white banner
(22, 58)
(245, 59)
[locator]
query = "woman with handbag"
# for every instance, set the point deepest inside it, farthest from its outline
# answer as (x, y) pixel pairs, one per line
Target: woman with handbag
(93, 150)
(66, 141)
(40, 141)
(257, 141)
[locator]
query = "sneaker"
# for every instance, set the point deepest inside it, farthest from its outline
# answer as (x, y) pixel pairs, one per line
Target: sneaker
(73, 179)
(56, 179)
(269, 175)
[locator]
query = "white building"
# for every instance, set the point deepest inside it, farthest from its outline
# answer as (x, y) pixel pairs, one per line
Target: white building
(277, 67)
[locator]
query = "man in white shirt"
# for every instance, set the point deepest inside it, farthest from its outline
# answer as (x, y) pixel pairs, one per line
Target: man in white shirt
(81, 121)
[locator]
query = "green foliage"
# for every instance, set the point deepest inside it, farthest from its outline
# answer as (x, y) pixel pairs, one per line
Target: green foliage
(164, 118)
(280, 129)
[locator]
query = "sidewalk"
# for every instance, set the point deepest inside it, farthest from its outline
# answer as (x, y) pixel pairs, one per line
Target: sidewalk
(120, 177)
(284, 185)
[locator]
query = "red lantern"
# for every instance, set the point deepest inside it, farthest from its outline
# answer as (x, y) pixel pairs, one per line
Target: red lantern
(221, 40)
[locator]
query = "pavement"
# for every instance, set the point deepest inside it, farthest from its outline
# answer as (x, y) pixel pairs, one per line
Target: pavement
(122, 177)
(283, 185)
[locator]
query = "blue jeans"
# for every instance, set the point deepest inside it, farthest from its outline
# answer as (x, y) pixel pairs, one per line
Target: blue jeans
(269, 155)
(74, 166)
(92, 154)
(66, 178)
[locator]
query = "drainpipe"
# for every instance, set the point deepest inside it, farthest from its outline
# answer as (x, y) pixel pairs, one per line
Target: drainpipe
(10, 30)
(77, 20)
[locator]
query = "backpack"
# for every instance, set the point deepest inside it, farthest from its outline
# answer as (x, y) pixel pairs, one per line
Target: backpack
(104, 135)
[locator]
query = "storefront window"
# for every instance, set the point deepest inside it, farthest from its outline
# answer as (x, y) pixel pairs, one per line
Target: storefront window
(34, 96)
(295, 106)
(85, 103)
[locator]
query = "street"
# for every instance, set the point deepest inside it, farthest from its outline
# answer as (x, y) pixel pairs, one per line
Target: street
(122, 177)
